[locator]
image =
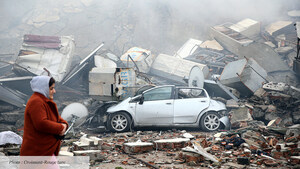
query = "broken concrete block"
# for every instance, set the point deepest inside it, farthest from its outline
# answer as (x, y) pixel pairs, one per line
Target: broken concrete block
(137, 147)
(95, 155)
(232, 104)
(280, 87)
(248, 27)
(142, 58)
(84, 143)
(254, 139)
(175, 68)
(188, 135)
(188, 48)
(233, 165)
(241, 114)
(176, 143)
(279, 27)
(245, 75)
(245, 47)
(102, 75)
(101, 89)
(64, 151)
(260, 93)
(101, 62)
(212, 44)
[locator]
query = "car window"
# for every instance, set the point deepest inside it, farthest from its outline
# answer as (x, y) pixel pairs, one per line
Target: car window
(190, 93)
(162, 93)
(135, 99)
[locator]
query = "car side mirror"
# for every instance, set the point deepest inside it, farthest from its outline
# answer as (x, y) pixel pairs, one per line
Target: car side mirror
(141, 100)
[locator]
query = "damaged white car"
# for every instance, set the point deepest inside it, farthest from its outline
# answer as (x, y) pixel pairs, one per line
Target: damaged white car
(168, 106)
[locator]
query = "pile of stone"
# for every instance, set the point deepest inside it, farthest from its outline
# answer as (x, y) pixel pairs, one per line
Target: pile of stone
(273, 104)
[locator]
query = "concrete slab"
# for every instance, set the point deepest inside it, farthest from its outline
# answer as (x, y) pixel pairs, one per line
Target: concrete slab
(212, 44)
(248, 27)
(102, 75)
(262, 53)
(137, 147)
(175, 68)
(176, 143)
(188, 48)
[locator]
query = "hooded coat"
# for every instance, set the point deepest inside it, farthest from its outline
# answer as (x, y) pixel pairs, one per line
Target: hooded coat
(41, 122)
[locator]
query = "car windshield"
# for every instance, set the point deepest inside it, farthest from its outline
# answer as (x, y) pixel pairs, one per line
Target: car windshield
(162, 93)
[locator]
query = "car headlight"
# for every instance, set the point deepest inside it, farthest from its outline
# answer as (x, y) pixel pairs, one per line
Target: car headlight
(223, 113)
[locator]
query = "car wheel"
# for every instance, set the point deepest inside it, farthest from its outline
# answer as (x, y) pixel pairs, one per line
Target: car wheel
(119, 122)
(210, 121)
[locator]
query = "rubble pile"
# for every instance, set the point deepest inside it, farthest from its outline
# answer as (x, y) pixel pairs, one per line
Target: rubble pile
(273, 104)
(255, 147)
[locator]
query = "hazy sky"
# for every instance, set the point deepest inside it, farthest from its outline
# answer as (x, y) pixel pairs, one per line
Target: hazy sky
(162, 25)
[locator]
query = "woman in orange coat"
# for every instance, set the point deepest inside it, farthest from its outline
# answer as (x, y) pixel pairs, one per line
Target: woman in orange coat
(42, 123)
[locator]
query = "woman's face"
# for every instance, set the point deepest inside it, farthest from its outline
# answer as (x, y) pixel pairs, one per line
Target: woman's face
(52, 91)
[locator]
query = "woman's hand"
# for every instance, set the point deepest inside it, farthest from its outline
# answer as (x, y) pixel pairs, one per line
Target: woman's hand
(64, 129)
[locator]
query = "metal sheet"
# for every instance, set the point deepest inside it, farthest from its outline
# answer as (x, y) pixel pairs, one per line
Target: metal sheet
(35, 55)
(79, 69)
(12, 97)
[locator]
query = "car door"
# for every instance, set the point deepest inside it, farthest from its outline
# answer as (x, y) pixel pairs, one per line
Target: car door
(188, 103)
(157, 107)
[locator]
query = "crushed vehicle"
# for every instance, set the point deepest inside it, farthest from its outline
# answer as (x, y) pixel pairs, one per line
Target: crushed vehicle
(168, 106)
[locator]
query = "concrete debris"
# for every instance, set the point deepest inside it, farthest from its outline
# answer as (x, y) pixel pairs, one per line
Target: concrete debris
(212, 44)
(248, 27)
(280, 87)
(176, 143)
(175, 68)
(188, 135)
(138, 58)
(258, 146)
(44, 55)
(188, 48)
(240, 114)
(137, 147)
(245, 75)
(275, 28)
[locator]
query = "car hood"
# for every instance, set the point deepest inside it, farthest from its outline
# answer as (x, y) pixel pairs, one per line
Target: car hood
(123, 105)
(216, 105)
